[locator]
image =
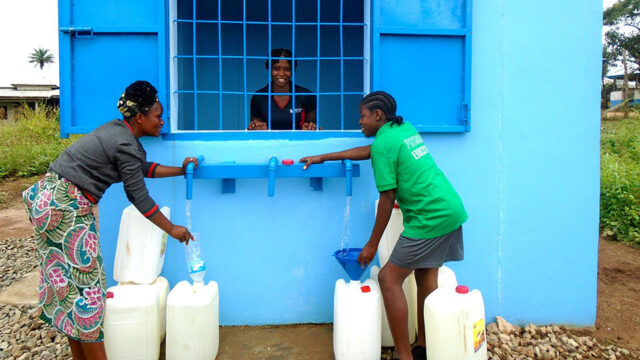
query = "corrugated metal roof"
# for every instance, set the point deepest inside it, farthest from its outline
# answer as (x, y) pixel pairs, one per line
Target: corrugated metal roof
(12, 93)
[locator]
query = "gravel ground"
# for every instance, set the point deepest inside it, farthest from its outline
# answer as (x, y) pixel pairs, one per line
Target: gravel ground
(17, 258)
(24, 336)
(506, 341)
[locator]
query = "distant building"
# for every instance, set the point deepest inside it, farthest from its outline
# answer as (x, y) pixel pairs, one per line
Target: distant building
(616, 97)
(30, 92)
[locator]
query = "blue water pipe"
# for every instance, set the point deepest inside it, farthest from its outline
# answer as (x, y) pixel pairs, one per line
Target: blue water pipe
(273, 165)
(348, 169)
(188, 174)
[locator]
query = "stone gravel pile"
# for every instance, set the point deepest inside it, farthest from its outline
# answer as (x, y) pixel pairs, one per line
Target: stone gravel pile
(17, 258)
(23, 336)
(507, 341)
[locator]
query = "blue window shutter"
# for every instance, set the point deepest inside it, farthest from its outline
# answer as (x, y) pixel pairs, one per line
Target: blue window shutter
(105, 46)
(422, 56)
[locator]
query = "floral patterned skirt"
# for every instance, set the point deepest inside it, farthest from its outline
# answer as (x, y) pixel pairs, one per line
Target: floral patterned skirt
(72, 279)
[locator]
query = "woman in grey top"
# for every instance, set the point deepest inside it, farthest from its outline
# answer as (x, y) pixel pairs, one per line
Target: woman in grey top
(72, 279)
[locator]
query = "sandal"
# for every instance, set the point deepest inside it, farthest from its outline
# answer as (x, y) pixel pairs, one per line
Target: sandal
(419, 352)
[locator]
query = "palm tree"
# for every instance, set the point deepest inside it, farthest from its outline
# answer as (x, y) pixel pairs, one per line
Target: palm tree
(41, 57)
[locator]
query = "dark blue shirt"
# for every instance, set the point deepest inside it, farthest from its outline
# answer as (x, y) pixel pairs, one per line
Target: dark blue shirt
(281, 116)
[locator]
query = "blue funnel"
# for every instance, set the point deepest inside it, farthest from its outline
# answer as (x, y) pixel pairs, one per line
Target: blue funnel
(348, 258)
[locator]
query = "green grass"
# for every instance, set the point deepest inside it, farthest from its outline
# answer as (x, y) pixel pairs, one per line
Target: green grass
(620, 180)
(30, 142)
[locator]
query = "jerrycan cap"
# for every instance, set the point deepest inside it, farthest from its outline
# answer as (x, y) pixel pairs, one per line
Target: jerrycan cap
(462, 289)
(365, 289)
(287, 162)
(109, 295)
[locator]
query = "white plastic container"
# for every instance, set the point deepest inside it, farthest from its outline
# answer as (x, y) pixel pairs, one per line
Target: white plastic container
(446, 277)
(356, 320)
(140, 250)
(163, 291)
(390, 235)
(455, 324)
(410, 291)
(162, 286)
(131, 322)
(193, 321)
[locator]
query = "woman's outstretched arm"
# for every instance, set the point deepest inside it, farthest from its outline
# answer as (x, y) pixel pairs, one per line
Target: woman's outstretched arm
(357, 153)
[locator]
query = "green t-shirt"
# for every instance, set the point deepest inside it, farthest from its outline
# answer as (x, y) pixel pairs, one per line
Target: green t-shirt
(430, 205)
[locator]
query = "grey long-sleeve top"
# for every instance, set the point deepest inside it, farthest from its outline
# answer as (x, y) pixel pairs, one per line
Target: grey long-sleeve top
(107, 155)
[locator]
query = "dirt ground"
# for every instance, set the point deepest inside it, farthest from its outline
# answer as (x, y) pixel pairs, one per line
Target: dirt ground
(618, 312)
(618, 316)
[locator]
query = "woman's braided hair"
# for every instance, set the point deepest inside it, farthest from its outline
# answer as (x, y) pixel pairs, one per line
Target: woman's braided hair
(139, 97)
(384, 102)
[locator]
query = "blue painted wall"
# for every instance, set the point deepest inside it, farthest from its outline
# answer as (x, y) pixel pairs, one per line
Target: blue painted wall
(528, 173)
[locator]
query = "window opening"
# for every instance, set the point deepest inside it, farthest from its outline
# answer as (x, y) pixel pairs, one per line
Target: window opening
(221, 56)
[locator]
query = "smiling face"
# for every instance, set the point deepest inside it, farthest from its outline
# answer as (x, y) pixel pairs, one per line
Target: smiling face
(151, 123)
(371, 121)
(281, 74)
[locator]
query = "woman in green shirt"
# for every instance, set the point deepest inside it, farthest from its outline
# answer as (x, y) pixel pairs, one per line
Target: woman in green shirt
(433, 213)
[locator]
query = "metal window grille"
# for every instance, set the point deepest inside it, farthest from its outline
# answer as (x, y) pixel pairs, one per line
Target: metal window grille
(218, 52)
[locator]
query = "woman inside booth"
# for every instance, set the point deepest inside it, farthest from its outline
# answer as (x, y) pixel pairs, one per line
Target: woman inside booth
(304, 105)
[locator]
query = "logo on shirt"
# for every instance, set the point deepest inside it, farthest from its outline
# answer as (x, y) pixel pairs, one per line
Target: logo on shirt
(298, 111)
(413, 141)
(419, 152)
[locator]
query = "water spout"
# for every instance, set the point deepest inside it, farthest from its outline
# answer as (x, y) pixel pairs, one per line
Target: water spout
(348, 169)
(188, 174)
(273, 165)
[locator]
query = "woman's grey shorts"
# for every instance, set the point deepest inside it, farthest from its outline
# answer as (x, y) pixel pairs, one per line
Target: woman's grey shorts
(428, 253)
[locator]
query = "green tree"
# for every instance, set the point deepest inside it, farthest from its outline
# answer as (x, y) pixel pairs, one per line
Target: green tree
(41, 57)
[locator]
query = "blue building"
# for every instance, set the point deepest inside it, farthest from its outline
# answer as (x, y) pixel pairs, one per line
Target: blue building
(479, 79)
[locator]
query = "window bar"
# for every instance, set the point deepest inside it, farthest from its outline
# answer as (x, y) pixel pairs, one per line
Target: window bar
(195, 72)
(269, 73)
(293, 66)
(266, 57)
(266, 23)
(318, 72)
(220, 61)
(341, 68)
(336, 93)
(244, 40)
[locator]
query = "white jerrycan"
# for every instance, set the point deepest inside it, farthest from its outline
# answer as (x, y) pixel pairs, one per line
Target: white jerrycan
(446, 277)
(131, 322)
(411, 295)
(391, 234)
(455, 324)
(356, 320)
(193, 321)
(162, 286)
(385, 247)
(140, 249)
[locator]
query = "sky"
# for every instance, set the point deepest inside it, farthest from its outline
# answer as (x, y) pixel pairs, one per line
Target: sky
(29, 24)
(24, 26)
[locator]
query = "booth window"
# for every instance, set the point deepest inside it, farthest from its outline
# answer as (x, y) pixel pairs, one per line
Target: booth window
(219, 51)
